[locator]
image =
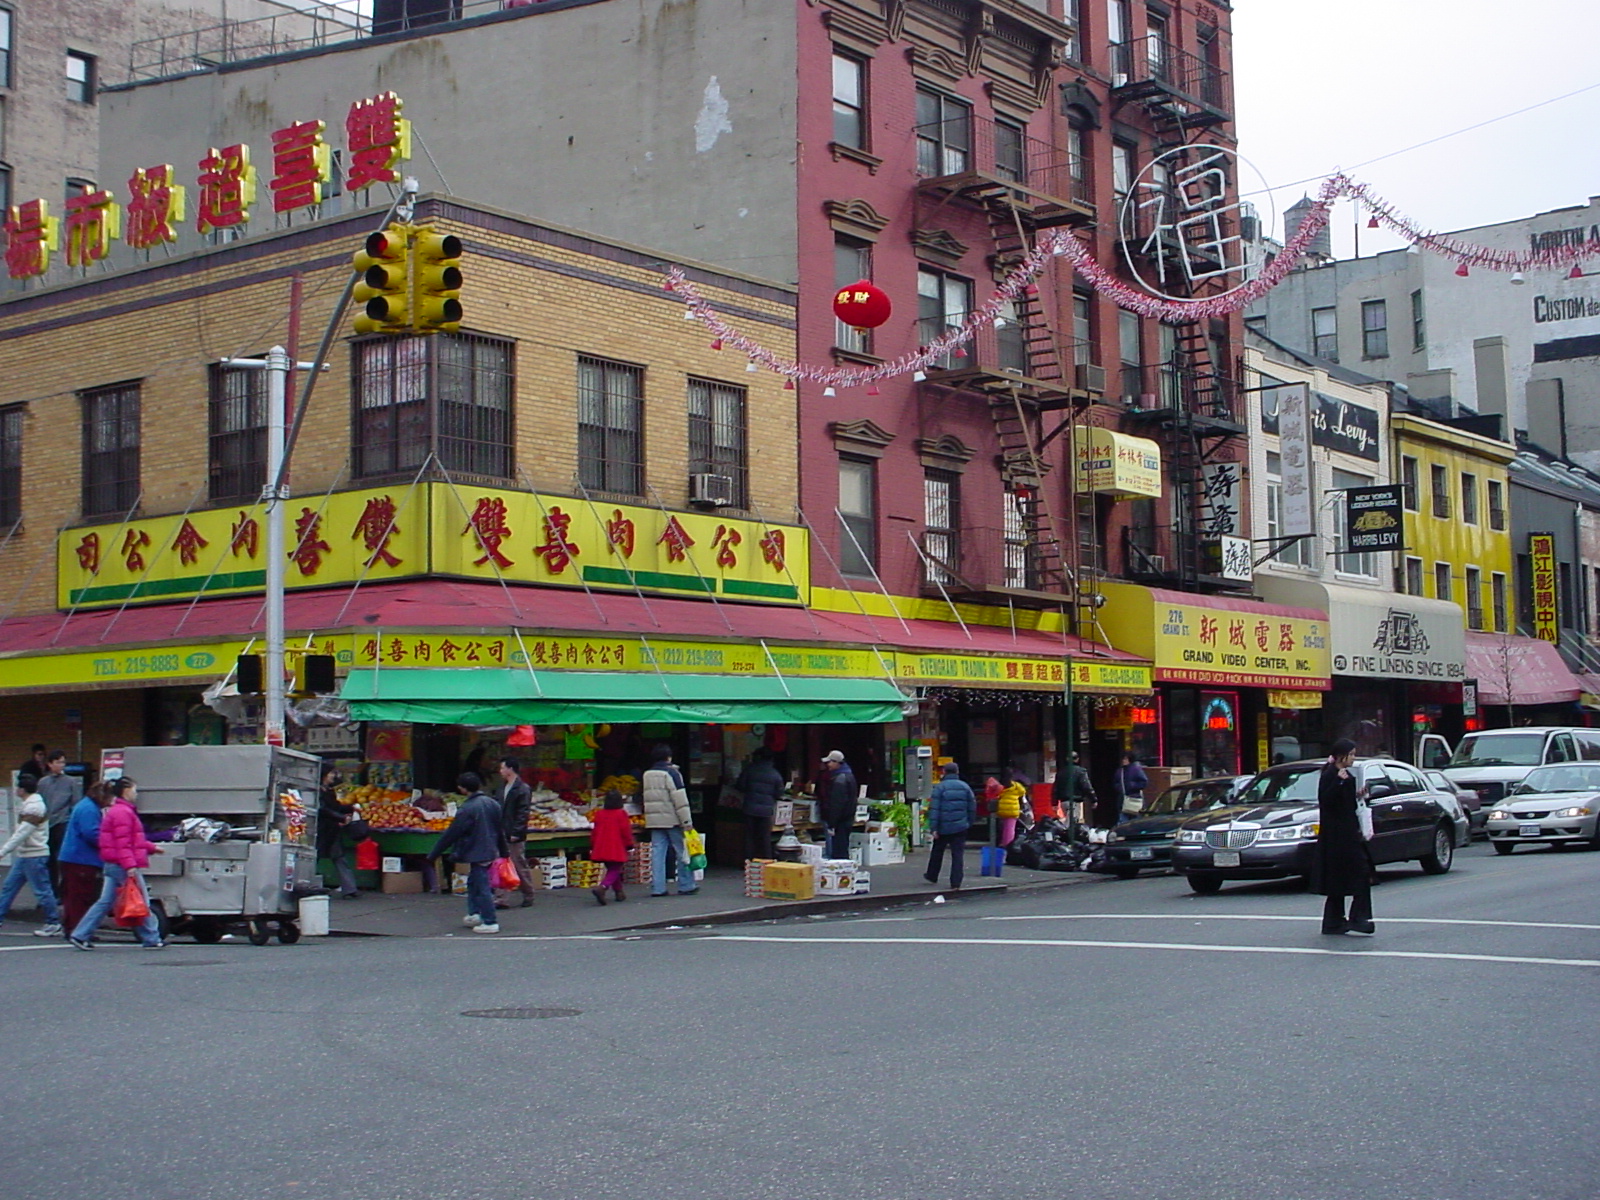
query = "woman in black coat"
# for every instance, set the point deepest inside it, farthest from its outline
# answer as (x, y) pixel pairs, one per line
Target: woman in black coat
(1343, 862)
(762, 787)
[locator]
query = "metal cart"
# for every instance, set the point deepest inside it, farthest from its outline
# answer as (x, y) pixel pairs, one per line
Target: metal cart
(256, 875)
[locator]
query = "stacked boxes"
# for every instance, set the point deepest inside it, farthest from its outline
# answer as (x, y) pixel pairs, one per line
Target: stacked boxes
(550, 873)
(863, 882)
(876, 849)
(584, 873)
(802, 812)
(637, 868)
(754, 877)
(788, 881)
(811, 853)
(836, 877)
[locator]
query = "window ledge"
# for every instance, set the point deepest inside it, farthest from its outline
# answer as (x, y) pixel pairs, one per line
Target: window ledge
(870, 161)
(841, 355)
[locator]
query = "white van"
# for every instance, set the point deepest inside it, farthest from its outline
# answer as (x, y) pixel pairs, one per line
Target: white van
(1494, 761)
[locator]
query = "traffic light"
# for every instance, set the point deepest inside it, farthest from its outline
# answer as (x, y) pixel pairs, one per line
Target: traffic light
(314, 675)
(248, 677)
(382, 291)
(436, 295)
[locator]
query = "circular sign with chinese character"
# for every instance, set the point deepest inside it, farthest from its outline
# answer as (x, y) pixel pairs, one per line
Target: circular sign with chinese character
(1182, 227)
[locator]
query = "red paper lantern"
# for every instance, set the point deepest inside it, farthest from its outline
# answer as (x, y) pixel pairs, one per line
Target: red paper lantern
(862, 305)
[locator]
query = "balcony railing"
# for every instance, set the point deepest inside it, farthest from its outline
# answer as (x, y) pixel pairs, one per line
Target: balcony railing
(1166, 387)
(987, 559)
(968, 150)
(1001, 350)
(1153, 66)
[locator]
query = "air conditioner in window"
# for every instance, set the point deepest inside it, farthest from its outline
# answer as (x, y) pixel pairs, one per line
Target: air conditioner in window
(1153, 564)
(713, 491)
(1090, 378)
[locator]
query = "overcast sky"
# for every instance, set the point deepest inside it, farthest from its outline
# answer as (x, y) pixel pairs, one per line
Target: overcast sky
(1323, 84)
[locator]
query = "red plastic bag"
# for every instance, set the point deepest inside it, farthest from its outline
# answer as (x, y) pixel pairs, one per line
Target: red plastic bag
(130, 908)
(367, 855)
(503, 875)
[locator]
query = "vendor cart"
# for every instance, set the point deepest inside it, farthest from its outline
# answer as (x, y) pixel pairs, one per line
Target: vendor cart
(251, 858)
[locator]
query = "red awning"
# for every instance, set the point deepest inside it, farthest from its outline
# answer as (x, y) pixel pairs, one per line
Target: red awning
(1519, 670)
(448, 604)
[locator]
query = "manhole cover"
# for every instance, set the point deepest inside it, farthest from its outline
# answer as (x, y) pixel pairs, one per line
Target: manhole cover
(523, 1014)
(186, 962)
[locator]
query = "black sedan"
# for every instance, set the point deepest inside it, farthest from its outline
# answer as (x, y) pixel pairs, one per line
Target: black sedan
(1271, 833)
(1145, 842)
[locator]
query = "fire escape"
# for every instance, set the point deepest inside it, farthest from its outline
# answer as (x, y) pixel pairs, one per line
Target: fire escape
(1182, 228)
(1019, 368)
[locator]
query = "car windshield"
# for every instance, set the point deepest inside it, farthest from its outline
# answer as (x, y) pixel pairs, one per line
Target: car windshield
(1283, 786)
(1439, 780)
(1499, 750)
(1570, 777)
(1191, 797)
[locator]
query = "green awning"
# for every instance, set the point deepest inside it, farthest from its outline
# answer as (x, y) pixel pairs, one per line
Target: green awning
(506, 696)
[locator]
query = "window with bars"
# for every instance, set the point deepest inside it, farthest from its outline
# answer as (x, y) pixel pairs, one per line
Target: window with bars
(717, 434)
(1472, 582)
(238, 432)
(11, 466)
(1408, 483)
(1497, 505)
(1497, 597)
(110, 449)
(944, 134)
(451, 393)
(1441, 491)
(1469, 499)
(1441, 581)
(1010, 152)
(611, 426)
(941, 517)
(1019, 558)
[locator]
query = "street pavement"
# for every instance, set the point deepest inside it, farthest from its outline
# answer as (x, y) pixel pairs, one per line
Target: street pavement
(1111, 1041)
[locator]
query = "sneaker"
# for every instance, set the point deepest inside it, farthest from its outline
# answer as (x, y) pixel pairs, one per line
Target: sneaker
(154, 946)
(80, 944)
(482, 928)
(472, 920)
(48, 931)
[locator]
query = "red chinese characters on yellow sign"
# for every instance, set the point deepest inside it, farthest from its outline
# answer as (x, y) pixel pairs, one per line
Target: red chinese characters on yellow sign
(155, 207)
(676, 539)
(378, 139)
(246, 536)
(558, 550)
(301, 164)
(620, 533)
(308, 544)
(227, 189)
(88, 551)
(772, 550)
(375, 526)
(489, 525)
(133, 548)
(32, 234)
(94, 221)
(189, 543)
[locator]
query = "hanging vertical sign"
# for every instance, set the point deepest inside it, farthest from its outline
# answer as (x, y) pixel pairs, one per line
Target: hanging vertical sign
(1294, 447)
(1546, 609)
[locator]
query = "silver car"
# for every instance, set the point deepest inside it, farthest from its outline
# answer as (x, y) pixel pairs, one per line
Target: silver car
(1559, 805)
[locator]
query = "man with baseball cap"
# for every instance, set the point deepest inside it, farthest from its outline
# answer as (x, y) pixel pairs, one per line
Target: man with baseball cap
(836, 800)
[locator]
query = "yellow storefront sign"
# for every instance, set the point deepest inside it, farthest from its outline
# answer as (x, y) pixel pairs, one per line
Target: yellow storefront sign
(1118, 464)
(1238, 646)
(405, 532)
(1111, 677)
(1035, 673)
(1294, 700)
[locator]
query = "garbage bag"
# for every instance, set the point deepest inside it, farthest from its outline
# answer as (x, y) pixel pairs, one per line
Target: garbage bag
(1059, 856)
(1024, 852)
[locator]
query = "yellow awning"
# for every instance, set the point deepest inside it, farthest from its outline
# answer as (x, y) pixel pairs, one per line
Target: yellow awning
(1118, 464)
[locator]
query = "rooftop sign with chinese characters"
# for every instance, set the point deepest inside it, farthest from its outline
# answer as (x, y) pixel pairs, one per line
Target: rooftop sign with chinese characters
(377, 141)
(434, 529)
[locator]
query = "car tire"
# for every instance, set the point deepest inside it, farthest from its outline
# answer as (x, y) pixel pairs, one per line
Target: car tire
(1205, 884)
(1594, 842)
(1503, 847)
(1444, 851)
(1126, 872)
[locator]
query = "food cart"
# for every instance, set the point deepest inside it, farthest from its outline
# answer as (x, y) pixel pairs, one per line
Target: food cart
(243, 825)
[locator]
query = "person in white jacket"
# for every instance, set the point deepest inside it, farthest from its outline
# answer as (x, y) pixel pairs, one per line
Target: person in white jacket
(29, 846)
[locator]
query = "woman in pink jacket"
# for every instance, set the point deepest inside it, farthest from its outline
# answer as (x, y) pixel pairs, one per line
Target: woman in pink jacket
(126, 850)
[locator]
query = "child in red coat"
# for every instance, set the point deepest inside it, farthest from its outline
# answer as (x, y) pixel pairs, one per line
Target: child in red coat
(609, 843)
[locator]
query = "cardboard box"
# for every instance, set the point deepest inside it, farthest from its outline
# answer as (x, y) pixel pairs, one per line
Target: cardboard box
(863, 882)
(788, 881)
(802, 812)
(783, 812)
(402, 883)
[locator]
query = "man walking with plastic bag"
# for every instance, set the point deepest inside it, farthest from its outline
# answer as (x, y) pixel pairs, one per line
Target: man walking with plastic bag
(666, 816)
(476, 838)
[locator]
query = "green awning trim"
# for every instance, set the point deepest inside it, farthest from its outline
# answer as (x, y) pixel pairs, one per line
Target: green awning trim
(496, 696)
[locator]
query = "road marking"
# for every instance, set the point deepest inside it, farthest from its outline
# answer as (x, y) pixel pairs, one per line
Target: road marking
(38, 946)
(1063, 942)
(1387, 920)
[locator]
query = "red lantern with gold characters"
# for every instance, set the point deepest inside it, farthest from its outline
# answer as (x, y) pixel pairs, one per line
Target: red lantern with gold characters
(862, 305)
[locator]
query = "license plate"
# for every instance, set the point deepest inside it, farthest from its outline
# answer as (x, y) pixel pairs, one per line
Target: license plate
(1225, 858)
(1141, 853)
(1530, 831)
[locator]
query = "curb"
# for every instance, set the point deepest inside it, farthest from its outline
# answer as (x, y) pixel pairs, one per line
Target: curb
(867, 902)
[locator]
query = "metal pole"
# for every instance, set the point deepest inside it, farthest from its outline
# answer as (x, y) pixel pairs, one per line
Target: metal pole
(272, 497)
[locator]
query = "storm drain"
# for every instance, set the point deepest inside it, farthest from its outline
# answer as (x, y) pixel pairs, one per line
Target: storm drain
(523, 1014)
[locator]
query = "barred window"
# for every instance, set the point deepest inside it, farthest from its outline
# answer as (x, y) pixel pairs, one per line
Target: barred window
(10, 466)
(611, 426)
(238, 428)
(391, 402)
(941, 514)
(717, 434)
(474, 413)
(110, 449)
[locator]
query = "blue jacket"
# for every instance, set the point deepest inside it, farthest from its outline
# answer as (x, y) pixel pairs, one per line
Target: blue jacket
(475, 835)
(81, 844)
(762, 786)
(952, 808)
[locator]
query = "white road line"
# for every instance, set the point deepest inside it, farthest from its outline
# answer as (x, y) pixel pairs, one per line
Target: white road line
(1198, 917)
(936, 941)
(36, 946)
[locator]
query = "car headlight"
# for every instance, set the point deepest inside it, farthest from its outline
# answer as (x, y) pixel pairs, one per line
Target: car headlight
(1191, 837)
(1577, 810)
(1305, 832)
(1501, 814)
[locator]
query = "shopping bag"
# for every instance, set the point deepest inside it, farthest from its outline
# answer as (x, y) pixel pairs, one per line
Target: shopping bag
(503, 875)
(130, 908)
(695, 847)
(367, 856)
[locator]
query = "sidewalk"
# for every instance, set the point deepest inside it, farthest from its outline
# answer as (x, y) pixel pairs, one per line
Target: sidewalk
(720, 900)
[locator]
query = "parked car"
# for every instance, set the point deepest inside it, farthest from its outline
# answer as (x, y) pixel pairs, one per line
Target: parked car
(1145, 842)
(1467, 798)
(1270, 832)
(1556, 805)
(1493, 761)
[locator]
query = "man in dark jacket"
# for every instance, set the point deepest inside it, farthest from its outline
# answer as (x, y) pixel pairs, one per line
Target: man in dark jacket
(61, 794)
(1073, 787)
(1343, 863)
(332, 817)
(515, 801)
(1131, 781)
(762, 787)
(477, 837)
(837, 793)
(952, 810)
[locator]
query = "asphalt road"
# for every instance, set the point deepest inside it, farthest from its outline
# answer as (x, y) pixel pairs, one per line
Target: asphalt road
(1110, 1040)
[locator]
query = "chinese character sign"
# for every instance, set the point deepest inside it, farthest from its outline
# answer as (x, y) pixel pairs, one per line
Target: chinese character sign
(227, 189)
(301, 164)
(155, 207)
(94, 221)
(1546, 606)
(31, 235)
(378, 139)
